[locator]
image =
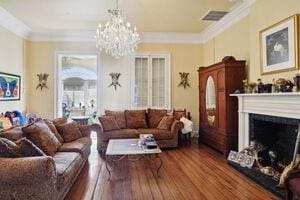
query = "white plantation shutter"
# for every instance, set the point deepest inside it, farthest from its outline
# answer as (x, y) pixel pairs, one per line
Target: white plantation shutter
(141, 82)
(151, 82)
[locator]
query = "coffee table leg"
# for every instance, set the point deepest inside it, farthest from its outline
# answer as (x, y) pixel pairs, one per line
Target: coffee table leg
(108, 170)
(160, 165)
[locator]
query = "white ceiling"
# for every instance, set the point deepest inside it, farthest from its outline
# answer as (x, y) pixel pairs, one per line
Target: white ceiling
(180, 16)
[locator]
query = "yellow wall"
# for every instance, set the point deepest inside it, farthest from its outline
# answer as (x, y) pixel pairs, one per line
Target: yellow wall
(242, 39)
(12, 61)
(40, 59)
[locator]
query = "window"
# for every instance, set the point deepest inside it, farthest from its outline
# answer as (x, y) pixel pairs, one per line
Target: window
(151, 81)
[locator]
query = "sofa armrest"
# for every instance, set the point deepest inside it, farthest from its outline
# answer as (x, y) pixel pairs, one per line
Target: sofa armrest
(176, 127)
(85, 130)
(28, 178)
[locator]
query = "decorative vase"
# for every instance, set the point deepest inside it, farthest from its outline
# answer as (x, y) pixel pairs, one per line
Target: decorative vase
(297, 82)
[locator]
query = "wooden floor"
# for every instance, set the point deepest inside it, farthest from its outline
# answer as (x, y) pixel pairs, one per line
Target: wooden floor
(189, 172)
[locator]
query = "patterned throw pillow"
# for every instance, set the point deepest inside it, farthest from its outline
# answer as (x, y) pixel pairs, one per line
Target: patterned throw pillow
(40, 134)
(166, 123)
(12, 134)
(154, 117)
(52, 127)
(136, 119)
(120, 117)
(8, 149)
(288, 169)
(28, 149)
(69, 131)
(109, 123)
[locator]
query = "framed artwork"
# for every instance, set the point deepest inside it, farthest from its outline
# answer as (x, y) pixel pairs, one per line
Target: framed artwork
(10, 87)
(279, 46)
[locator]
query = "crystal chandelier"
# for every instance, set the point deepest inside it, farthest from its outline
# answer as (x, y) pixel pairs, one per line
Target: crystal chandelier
(117, 37)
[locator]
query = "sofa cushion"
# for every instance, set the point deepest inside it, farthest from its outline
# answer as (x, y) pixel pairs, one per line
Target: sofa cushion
(8, 149)
(80, 145)
(109, 123)
(120, 134)
(157, 133)
(166, 123)
(13, 134)
(120, 117)
(69, 131)
(67, 166)
(154, 117)
(59, 121)
(52, 127)
(136, 119)
(40, 134)
(28, 149)
(179, 113)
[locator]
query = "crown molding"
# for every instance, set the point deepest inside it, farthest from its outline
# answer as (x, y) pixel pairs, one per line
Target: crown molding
(238, 12)
(13, 24)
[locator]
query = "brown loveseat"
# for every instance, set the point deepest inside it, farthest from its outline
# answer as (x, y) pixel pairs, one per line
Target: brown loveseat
(43, 177)
(132, 123)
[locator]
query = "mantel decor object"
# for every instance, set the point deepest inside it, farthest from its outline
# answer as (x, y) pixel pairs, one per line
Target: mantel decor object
(279, 46)
(10, 87)
(184, 80)
(42, 81)
(115, 80)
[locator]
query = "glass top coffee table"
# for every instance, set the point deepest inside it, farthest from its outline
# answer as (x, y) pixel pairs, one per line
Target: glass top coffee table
(118, 149)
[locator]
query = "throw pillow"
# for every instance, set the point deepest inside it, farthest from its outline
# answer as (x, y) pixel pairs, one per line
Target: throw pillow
(59, 121)
(40, 134)
(28, 149)
(109, 123)
(8, 149)
(154, 117)
(288, 169)
(120, 117)
(52, 127)
(166, 123)
(69, 131)
(136, 119)
(13, 134)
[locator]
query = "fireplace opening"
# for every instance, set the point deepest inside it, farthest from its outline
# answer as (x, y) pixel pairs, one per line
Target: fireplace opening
(277, 135)
(273, 139)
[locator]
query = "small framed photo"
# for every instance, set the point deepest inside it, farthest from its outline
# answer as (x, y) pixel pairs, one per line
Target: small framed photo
(233, 155)
(279, 46)
(10, 87)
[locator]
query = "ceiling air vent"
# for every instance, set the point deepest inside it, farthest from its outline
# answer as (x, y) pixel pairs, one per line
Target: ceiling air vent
(213, 15)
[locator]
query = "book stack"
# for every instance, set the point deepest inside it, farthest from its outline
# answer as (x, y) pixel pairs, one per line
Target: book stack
(148, 141)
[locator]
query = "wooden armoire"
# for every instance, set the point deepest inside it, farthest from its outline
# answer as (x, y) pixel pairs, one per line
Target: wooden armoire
(218, 126)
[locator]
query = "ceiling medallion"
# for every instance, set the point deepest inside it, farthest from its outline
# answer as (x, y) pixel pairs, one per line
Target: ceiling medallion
(117, 37)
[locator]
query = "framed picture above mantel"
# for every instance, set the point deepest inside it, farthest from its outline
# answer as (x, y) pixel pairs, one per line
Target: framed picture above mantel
(279, 46)
(10, 87)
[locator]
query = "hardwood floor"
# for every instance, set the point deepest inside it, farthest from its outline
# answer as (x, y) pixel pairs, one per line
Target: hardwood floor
(189, 172)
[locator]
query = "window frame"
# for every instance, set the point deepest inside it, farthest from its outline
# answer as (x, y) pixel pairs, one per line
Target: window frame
(168, 80)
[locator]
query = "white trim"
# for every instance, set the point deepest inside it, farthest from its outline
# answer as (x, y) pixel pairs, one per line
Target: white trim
(58, 77)
(11, 23)
(238, 12)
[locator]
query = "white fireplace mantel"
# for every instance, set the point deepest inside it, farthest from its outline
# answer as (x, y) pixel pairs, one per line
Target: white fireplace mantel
(273, 104)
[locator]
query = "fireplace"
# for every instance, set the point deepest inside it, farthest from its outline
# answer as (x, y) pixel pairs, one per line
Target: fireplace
(270, 119)
(277, 134)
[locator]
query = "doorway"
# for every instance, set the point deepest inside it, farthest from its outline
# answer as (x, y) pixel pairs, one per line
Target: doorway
(76, 85)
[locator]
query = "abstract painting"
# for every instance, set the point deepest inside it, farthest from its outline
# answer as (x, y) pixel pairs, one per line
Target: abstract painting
(10, 87)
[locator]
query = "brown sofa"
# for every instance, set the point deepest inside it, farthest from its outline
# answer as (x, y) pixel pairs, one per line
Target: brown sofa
(128, 120)
(43, 177)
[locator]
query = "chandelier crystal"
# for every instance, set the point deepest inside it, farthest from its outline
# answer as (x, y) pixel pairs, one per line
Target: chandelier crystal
(117, 37)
